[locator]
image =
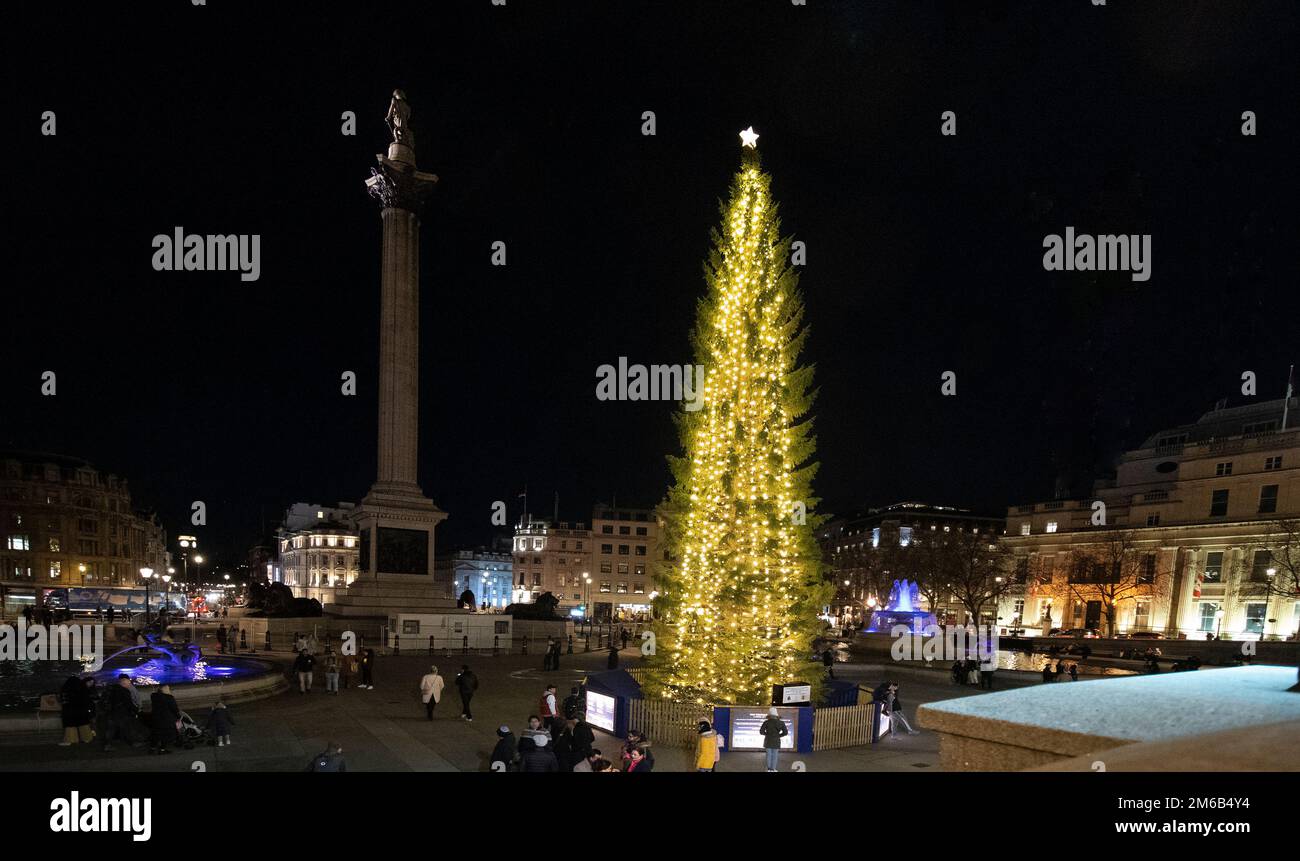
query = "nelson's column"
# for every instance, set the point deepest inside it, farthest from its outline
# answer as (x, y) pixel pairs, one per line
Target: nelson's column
(396, 521)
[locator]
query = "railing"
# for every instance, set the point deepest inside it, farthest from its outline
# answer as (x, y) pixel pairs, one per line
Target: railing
(845, 726)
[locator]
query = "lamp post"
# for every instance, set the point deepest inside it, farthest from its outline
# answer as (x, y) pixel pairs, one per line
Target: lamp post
(586, 599)
(198, 581)
(1218, 618)
(146, 574)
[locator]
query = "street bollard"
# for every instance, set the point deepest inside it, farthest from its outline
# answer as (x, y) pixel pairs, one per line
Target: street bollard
(496, 645)
(464, 644)
(431, 644)
(524, 650)
(397, 644)
(570, 644)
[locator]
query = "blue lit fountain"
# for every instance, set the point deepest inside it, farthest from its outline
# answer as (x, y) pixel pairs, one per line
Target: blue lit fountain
(902, 609)
(171, 664)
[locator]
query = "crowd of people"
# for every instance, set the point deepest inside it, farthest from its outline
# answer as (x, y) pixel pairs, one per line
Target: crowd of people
(115, 715)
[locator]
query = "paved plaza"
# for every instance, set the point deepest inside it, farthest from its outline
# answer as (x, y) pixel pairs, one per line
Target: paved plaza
(385, 729)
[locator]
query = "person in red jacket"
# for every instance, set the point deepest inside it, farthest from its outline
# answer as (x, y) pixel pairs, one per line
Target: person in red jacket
(549, 710)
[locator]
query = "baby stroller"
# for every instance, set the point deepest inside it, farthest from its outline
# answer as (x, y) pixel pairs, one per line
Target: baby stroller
(191, 733)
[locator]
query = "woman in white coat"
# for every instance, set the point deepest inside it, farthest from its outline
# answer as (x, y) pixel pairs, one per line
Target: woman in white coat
(431, 690)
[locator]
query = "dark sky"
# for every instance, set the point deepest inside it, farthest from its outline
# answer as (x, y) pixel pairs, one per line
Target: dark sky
(924, 252)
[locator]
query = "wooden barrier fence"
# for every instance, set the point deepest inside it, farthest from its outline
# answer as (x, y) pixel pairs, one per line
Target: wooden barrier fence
(667, 723)
(845, 726)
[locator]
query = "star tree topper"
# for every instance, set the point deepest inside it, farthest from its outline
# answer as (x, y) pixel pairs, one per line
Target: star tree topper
(749, 138)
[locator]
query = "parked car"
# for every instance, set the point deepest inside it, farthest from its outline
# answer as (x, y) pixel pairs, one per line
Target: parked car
(1076, 633)
(1146, 635)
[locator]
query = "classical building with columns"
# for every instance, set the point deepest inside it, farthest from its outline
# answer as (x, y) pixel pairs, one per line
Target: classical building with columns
(1210, 511)
(318, 550)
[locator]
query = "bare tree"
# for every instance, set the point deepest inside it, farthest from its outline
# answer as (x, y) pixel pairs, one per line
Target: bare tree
(975, 568)
(1113, 571)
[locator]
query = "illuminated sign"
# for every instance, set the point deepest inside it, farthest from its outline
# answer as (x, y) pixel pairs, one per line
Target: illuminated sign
(745, 725)
(600, 711)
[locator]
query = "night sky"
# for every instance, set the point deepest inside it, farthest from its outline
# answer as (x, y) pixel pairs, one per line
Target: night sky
(924, 251)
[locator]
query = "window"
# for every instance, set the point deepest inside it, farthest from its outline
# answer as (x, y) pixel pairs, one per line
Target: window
(1214, 567)
(537, 560)
(579, 543)
(537, 544)
(641, 530)
(56, 568)
(1051, 526)
(1208, 619)
(564, 545)
(606, 567)
(1148, 572)
(625, 530)
(622, 569)
(622, 549)
(537, 578)
(1273, 463)
(604, 585)
(1219, 503)
(640, 550)
(607, 529)
(607, 548)
(1259, 565)
(1259, 427)
(1268, 499)
(1024, 529)
(622, 587)
(638, 588)
(639, 569)
(1142, 614)
(1255, 614)
(87, 525)
(19, 542)
(1153, 520)
(1222, 469)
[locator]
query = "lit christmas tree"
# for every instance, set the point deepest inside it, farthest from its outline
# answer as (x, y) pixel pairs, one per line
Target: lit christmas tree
(740, 597)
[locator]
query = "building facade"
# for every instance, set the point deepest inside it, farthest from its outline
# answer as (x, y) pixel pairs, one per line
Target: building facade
(627, 544)
(489, 574)
(552, 556)
(64, 523)
(856, 550)
(603, 573)
(1203, 509)
(319, 551)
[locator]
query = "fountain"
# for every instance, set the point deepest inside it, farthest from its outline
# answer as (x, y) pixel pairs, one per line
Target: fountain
(170, 664)
(902, 609)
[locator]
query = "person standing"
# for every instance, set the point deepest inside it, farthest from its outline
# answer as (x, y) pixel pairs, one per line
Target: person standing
(583, 737)
(467, 684)
(220, 722)
(112, 613)
(571, 704)
(612, 663)
(505, 751)
(773, 730)
(986, 676)
(828, 661)
(535, 756)
(351, 667)
(164, 716)
(331, 671)
(638, 761)
(1074, 672)
(431, 691)
(221, 640)
(708, 749)
(302, 666)
(546, 656)
(555, 655)
(78, 712)
(547, 708)
(1048, 675)
(368, 670)
(123, 706)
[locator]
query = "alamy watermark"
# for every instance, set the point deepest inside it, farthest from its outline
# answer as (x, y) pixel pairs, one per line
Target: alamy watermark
(84, 643)
(1109, 253)
(240, 252)
(951, 643)
(651, 383)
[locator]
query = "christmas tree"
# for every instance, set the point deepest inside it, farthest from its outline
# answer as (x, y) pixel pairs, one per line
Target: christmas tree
(743, 587)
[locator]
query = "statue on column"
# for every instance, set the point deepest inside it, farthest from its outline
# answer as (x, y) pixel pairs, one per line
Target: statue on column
(399, 119)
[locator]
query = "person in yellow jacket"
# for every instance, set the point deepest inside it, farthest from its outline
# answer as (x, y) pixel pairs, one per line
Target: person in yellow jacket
(708, 750)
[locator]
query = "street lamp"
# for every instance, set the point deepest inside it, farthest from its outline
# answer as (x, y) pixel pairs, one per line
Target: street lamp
(146, 574)
(586, 598)
(1218, 616)
(198, 580)
(82, 569)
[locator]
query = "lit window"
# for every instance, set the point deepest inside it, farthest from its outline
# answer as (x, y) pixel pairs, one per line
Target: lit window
(1051, 526)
